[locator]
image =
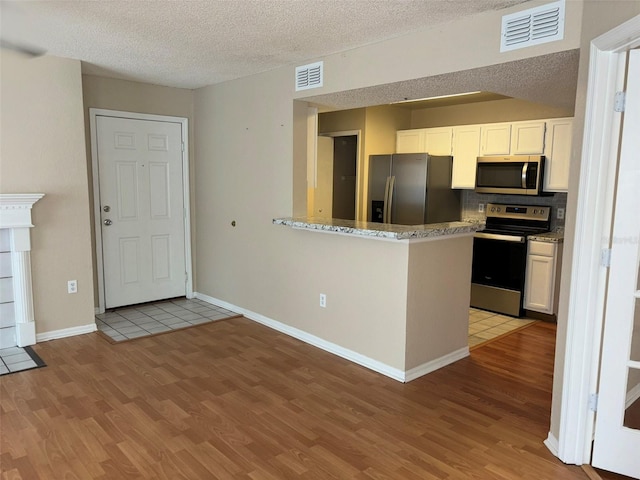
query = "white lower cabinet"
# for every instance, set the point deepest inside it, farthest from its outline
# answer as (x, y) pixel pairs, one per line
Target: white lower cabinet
(542, 282)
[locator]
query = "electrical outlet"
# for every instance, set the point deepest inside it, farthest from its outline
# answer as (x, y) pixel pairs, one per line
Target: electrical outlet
(560, 213)
(72, 286)
(481, 207)
(323, 300)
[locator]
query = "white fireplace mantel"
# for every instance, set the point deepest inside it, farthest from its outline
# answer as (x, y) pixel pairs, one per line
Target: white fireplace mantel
(15, 215)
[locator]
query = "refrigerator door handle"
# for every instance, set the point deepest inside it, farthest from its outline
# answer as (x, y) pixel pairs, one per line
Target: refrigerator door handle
(390, 202)
(386, 200)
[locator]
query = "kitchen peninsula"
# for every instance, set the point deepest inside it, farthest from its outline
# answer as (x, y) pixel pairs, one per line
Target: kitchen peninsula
(379, 230)
(397, 295)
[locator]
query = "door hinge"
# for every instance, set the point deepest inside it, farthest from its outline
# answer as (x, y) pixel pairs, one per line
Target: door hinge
(619, 101)
(593, 402)
(183, 146)
(186, 277)
(605, 257)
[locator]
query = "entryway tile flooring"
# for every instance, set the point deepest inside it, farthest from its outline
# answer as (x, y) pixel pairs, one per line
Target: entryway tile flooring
(16, 359)
(152, 318)
(485, 326)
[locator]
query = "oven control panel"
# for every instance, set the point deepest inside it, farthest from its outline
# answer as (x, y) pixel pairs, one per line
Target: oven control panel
(522, 212)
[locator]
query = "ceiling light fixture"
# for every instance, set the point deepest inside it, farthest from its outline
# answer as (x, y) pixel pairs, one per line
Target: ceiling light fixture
(406, 100)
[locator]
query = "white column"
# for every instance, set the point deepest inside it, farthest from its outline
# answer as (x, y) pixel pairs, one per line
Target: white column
(15, 214)
(22, 287)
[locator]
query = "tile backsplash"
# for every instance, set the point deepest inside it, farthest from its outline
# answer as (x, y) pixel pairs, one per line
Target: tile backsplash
(471, 200)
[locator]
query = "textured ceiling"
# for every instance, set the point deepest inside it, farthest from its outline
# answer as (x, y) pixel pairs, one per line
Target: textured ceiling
(193, 43)
(548, 79)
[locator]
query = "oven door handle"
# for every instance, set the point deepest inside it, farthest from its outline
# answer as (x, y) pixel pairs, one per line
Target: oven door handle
(525, 169)
(496, 236)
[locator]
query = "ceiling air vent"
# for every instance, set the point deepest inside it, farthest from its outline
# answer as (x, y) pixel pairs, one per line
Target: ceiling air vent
(309, 76)
(532, 27)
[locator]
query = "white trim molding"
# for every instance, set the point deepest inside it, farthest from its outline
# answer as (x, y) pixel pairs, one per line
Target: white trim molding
(67, 332)
(186, 188)
(593, 221)
(15, 215)
(552, 443)
(434, 365)
(355, 357)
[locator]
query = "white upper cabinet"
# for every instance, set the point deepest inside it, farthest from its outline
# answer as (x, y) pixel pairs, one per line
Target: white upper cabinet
(527, 138)
(466, 149)
(410, 141)
(558, 154)
(496, 139)
(434, 141)
(437, 141)
(551, 138)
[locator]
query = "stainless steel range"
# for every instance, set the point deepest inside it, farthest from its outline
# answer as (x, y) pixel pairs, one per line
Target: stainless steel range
(500, 256)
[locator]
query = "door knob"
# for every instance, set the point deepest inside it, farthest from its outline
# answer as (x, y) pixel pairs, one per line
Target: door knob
(107, 222)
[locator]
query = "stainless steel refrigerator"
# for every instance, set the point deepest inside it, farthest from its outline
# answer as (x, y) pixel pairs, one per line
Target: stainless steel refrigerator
(412, 189)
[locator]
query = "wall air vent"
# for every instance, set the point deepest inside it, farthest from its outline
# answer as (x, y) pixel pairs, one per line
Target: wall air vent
(309, 76)
(533, 26)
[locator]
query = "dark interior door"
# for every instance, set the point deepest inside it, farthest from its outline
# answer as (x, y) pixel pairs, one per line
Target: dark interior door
(345, 156)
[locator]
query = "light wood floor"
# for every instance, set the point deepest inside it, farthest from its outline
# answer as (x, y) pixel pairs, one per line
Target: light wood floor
(236, 400)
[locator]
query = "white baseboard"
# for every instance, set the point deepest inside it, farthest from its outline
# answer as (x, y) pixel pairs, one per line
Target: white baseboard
(66, 332)
(632, 396)
(345, 353)
(552, 444)
(434, 365)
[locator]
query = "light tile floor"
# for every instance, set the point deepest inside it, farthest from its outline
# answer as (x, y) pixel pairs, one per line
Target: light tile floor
(151, 318)
(16, 359)
(485, 326)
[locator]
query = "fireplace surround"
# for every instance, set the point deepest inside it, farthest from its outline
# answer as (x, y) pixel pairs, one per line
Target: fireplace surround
(15, 216)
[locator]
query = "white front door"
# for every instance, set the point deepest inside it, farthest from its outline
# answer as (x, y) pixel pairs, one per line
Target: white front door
(617, 432)
(142, 209)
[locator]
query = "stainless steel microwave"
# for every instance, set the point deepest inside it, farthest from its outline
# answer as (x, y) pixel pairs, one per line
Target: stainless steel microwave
(513, 175)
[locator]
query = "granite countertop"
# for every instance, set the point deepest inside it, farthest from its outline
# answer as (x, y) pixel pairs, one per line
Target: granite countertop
(380, 230)
(551, 237)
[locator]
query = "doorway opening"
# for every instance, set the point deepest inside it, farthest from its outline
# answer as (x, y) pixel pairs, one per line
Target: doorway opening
(345, 166)
(336, 192)
(140, 165)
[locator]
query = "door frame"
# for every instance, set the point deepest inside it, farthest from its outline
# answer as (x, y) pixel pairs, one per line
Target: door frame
(359, 162)
(580, 361)
(184, 125)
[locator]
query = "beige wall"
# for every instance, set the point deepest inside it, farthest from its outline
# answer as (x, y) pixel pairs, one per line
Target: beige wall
(508, 110)
(246, 157)
(438, 299)
(113, 94)
(42, 132)
(342, 121)
(459, 45)
(378, 126)
(599, 17)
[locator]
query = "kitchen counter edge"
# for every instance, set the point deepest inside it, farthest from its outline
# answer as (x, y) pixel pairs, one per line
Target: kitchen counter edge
(380, 230)
(549, 237)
